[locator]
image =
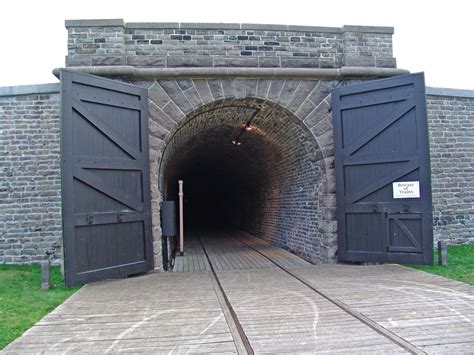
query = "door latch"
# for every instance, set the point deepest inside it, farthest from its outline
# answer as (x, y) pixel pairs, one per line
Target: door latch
(90, 219)
(119, 216)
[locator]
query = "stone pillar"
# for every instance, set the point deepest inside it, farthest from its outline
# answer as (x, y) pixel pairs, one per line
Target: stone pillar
(366, 46)
(95, 42)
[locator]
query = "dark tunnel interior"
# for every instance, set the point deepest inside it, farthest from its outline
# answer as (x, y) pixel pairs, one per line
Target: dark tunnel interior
(266, 185)
(221, 177)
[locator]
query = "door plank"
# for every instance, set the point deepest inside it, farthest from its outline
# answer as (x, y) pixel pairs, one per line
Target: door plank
(383, 181)
(103, 128)
(407, 106)
(105, 188)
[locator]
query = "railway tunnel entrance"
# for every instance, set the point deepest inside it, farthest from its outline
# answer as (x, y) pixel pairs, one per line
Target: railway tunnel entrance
(242, 113)
(258, 156)
(248, 164)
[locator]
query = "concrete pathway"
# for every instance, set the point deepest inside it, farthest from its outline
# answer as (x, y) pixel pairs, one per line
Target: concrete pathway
(260, 299)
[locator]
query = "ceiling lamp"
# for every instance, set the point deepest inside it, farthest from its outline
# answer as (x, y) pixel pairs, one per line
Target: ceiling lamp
(247, 127)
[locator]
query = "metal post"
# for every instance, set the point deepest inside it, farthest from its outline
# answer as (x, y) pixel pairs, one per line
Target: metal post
(442, 253)
(164, 247)
(181, 220)
(45, 274)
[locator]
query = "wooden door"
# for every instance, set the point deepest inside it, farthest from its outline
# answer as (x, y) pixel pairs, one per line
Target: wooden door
(383, 171)
(105, 178)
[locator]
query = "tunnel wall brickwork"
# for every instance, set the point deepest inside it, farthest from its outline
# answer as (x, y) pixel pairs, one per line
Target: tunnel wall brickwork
(307, 102)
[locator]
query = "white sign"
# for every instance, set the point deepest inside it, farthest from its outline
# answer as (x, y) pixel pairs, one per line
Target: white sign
(406, 189)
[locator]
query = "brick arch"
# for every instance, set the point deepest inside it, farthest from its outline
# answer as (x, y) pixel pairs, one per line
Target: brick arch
(301, 107)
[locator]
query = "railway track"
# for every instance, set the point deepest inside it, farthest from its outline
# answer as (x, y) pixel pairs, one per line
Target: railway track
(244, 345)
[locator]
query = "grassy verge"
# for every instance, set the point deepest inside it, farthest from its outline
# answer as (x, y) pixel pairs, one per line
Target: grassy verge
(23, 302)
(460, 264)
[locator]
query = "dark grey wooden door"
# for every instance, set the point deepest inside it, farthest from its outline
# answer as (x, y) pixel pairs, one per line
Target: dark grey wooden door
(105, 178)
(383, 171)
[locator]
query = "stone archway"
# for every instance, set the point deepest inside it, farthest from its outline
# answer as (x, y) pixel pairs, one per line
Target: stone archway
(285, 167)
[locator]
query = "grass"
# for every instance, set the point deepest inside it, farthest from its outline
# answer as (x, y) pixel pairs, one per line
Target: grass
(22, 300)
(460, 265)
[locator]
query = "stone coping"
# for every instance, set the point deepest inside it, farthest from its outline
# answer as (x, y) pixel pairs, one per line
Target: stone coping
(449, 92)
(30, 89)
(95, 23)
(175, 72)
(224, 26)
(126, 71)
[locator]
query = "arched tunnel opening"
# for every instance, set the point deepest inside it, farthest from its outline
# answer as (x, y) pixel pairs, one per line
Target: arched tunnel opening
(248, 164)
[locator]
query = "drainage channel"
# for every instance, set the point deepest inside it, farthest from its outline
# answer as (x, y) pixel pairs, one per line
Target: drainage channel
(238, 332)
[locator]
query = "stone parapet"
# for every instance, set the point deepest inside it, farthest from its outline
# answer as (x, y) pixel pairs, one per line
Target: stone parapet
(175, 45)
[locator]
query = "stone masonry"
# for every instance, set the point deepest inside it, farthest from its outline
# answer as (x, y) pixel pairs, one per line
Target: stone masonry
(30, 222)
(30, 181)
(451, 128)
(285, 172)
(170, 45)
(302, 183)
(294, 124)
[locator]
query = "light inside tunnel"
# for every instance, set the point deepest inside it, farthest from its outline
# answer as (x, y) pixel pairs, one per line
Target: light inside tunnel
(268, 186)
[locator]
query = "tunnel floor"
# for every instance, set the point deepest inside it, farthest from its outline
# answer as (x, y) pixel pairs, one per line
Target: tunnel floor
(230, 249)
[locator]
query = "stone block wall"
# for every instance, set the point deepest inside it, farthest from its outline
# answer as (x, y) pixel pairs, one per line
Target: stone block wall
(100, 43)
(451, 127)
(30, 185)
(368, 46)
(113, 42)
(30, 199)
